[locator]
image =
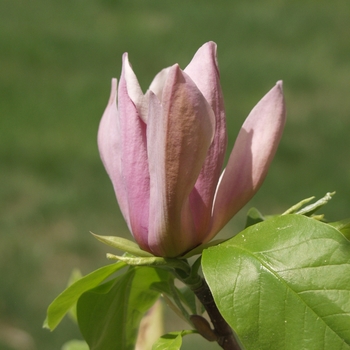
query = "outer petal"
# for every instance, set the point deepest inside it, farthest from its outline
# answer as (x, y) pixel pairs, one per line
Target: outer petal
(203, 70)
(109, 145)
(134, 90)
(180, 130)
(134, 160)
(251, 156)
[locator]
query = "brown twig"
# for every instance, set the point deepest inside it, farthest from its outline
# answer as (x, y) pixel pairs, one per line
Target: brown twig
(225, 335)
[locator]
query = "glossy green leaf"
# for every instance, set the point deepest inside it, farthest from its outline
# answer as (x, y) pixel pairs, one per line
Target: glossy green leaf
(171, 341)
(284, 284)
(110, 314)
(66, 300)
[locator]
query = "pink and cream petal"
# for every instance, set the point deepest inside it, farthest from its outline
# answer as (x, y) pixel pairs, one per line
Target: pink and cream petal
(180, 141)
(158, 83)
(134, 90)
(164, 152)
(134, 162)
(109, 145)
(204, 71)
(251, 157)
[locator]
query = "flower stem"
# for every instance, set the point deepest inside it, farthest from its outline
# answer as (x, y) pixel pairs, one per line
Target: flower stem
(225, 336)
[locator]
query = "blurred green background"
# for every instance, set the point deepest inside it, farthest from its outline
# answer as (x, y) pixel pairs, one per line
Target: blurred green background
(56, 62)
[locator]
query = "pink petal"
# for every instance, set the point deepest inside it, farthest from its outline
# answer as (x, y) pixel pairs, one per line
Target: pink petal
(109, 146)
(158, 83)
(203, 70)
(134, 90)
(180, 130)
(134, 160)
(251, 157)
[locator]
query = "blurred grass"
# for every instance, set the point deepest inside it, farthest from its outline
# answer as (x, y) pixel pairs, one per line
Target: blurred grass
(56, 61)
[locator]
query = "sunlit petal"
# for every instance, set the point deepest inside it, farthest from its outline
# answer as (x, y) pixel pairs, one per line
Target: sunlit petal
(251, 156)
(134, 160)
(203, 70)
(109, 145)
(181, 130)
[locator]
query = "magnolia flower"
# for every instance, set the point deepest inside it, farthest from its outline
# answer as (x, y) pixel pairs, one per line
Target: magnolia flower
(164, 152)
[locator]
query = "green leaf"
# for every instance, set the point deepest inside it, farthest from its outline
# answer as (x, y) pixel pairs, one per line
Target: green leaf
(175, 263)
(284, 284)
(343, 226)
(75, 345)
(63, 303)
(189, 298)
(171, 341)
(311, 208)
(294, 209)
(74, 277)
(109, 315)
(122, 244)
(253, 217)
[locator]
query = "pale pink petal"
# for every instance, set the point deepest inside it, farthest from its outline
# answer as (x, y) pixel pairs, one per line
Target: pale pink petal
(134, 90)
(158, 83)
(251, 156)
(109, 145)
(134, 160)
(180, 130)
(204, 71)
